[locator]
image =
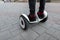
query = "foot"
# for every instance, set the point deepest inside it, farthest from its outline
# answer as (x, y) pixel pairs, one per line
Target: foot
(40, 15)
(32, 17)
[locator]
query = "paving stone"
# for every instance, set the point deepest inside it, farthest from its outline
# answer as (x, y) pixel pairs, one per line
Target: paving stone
(15, 32)
(46, 37)
(39, 29)
(57, 34)
(56, 19)
(51, 31)
(7, 27)
(5, 20)
(29, 35)
(54, 32)
(18, 37)
(10, 27)
(56, 26)
(5, 35)
(14, 27)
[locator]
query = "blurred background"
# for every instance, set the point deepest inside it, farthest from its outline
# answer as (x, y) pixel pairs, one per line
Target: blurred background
(27, 0)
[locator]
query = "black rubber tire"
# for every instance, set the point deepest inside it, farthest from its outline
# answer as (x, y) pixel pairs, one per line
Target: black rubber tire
(44, 20)
(26, 22)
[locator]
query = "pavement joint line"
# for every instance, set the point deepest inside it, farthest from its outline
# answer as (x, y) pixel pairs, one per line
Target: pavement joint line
(15, 36)
(56, 29)
(21, 36)
(13, 31)
(7, 26)
(52, 36)
(44, 27)
(39, 36)
(56, 23)
(10, 33)
(31, 30)
(36, 38)
(51, 27)
(36, 32)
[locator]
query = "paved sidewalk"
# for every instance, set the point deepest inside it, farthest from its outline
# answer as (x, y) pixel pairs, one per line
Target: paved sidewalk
(9, 23)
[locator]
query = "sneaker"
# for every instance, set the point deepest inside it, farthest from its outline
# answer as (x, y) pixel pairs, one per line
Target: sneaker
(40, 15)
(32, 17)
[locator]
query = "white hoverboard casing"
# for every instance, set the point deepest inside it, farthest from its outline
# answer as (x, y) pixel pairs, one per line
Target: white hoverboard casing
(37, 18)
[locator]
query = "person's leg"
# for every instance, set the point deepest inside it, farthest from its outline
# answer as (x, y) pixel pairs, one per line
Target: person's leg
(32, 4)
(41, 9)
(42, 5)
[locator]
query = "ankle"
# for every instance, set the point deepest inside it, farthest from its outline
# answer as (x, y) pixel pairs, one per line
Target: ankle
(32, 15)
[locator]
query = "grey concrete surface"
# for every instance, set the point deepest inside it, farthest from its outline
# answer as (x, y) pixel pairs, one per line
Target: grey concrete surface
(9, 23)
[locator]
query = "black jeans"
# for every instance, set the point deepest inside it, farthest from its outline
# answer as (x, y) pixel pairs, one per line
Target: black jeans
(32, 4)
